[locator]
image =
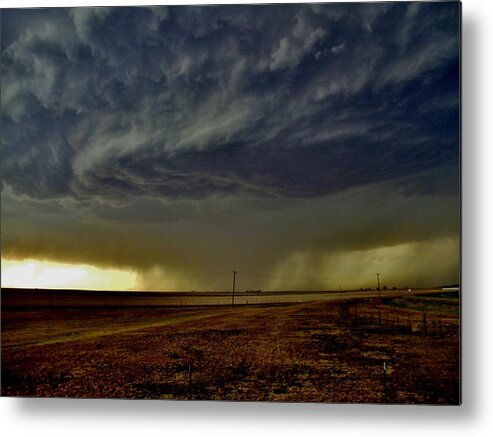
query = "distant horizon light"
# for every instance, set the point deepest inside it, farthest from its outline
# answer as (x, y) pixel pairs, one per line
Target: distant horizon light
(47, 274)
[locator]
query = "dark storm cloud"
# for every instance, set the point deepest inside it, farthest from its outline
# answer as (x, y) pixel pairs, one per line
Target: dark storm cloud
(316, 238)
(191, 102)
(295, 140)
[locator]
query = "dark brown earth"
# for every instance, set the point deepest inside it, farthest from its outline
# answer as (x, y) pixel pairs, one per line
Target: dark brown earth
(311, 352)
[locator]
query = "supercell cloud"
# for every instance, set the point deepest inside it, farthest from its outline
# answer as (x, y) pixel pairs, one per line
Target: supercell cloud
(316, 140)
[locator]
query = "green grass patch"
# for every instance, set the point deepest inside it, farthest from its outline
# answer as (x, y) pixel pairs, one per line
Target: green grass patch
(438, 305)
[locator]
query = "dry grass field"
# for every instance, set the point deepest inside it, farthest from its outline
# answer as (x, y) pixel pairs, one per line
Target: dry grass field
(311, 352)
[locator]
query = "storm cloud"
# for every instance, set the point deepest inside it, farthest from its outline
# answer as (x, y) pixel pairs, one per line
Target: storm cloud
(179, 139)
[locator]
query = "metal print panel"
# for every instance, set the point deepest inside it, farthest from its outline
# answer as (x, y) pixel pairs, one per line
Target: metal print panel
(241, 202)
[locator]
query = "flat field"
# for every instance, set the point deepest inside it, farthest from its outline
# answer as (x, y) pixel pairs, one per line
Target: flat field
(401, 350)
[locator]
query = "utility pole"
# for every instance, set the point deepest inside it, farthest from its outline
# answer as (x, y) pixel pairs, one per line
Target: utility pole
(340, 301)
(234, 283)
(378, 279)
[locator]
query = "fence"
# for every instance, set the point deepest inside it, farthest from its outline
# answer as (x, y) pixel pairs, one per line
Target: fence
(425, 324)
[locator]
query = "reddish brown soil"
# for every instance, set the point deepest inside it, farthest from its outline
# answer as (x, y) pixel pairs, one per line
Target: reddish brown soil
(315, 352)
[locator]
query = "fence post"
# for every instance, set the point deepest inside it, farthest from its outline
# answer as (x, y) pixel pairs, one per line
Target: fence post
(189, 380)
(385, 396)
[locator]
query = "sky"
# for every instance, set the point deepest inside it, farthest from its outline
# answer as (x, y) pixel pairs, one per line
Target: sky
(306, 146)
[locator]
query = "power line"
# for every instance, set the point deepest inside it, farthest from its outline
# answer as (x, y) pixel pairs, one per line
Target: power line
(264, 275)
(291, 278)
(187, 275)
(272, 276)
